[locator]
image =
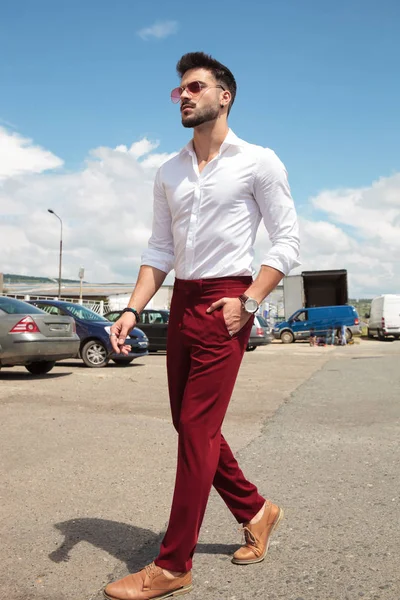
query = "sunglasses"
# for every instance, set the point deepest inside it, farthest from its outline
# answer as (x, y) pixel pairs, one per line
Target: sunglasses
(193, 89)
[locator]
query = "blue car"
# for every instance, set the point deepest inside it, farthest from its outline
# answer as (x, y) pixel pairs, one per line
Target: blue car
(93, 331)
(319, 320)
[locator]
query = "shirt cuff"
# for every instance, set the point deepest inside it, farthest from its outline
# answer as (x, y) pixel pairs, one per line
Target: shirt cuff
(159, 259)
(282, 264)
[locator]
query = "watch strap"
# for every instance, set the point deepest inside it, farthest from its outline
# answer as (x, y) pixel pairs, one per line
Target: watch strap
(243, 299)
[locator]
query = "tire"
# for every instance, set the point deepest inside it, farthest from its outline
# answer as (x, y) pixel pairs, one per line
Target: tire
(381, 336)
(349, 335)
(287, 337)
(40, 367)
(123, 362)
(251, 348)
(370, 335)
(94, 354)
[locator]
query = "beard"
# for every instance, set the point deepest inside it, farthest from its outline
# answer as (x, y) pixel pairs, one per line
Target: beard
(209, 113)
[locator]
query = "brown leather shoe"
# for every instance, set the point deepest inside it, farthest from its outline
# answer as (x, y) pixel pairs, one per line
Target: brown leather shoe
(148, 584)
(257, 536)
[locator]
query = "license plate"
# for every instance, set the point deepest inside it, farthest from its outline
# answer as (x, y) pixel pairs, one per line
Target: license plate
(142, 343)
(59, 327)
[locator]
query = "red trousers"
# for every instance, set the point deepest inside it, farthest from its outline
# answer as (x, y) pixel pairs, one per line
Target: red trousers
(202, 363)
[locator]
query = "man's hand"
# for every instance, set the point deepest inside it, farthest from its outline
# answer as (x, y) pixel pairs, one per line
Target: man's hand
(119, 333)
(234, 314)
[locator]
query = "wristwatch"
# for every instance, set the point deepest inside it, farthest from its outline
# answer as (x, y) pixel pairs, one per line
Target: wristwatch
(133, 311)
(249, 304)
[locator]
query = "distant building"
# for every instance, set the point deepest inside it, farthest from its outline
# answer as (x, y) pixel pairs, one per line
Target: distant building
(115, 296)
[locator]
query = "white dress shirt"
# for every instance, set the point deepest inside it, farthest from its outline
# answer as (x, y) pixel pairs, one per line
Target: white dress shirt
(205, 224)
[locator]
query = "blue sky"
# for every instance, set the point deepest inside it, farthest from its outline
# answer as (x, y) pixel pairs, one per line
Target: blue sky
(317, 81)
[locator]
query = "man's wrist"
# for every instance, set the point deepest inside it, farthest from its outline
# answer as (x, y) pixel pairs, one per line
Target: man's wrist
(133, 311)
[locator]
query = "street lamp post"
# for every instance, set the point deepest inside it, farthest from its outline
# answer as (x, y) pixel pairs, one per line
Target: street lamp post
(60, 263)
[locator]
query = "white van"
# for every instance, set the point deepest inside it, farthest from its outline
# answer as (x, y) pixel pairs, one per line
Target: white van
(384, 320)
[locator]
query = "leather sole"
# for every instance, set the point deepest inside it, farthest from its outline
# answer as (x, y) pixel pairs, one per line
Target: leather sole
(261, 558)
(171, 594)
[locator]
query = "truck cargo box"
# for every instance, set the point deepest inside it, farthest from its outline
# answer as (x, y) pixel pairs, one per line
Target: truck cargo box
(315, 288)
(325, 288)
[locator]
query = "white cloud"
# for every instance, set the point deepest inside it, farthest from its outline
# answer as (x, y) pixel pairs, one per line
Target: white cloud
(140, 148)
(367, 240)
(160, 30)
(107, 212)
(18, 156)
(360, 233)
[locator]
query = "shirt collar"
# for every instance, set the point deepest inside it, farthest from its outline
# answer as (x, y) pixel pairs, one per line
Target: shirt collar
(231, 140)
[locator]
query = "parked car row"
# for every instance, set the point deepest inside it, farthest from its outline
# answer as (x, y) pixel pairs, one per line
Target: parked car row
(41, 332)
(38, 333)
(94, 334)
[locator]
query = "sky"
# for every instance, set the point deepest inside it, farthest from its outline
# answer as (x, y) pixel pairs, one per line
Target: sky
(86, 120)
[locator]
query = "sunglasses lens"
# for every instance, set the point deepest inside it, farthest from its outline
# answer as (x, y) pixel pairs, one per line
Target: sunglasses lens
(194, 87)
(176, 95)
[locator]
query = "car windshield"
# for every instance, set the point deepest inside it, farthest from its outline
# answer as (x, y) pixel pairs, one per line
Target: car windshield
(11, 306)
(262, 321)
(81, 312)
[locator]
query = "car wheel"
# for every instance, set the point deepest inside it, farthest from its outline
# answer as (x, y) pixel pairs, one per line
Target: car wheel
(370, 335)
(94, 354)
(287, 337)
(381, 335)
(251, 348)
(40, 367)
(122, 362)
(349, 335)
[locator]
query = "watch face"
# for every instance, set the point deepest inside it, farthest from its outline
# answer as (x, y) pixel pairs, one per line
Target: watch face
(251, 305)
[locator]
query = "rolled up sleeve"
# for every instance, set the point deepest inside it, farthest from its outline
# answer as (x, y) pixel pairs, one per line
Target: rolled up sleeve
(273, 196)
(160, 250)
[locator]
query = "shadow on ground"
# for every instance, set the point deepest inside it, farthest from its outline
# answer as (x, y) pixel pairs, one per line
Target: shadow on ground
(21, 376)
(129, 544)
(111, 365)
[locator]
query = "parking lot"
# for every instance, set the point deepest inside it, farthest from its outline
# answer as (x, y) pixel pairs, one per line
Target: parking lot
(88, 464)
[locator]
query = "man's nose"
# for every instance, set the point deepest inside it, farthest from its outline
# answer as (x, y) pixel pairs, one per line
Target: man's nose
(185, 95)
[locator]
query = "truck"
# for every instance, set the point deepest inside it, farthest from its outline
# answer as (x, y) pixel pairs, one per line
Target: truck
(315, 304)
(384, 318)
(314, 288)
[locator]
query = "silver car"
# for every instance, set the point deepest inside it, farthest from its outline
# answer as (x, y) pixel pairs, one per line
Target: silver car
(33, 338)
(260, 333)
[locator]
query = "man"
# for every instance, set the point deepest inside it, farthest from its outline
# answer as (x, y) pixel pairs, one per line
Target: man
(208, 203)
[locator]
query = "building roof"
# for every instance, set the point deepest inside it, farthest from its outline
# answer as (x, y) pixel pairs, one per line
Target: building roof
(89, 290)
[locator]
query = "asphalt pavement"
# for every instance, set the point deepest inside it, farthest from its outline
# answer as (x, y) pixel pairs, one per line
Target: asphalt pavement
(330, 457)
(89, 467)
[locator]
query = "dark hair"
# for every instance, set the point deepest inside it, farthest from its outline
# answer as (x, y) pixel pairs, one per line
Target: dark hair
(200, 60)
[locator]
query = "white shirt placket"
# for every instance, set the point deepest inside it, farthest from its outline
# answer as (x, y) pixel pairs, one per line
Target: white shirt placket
(194, 217)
